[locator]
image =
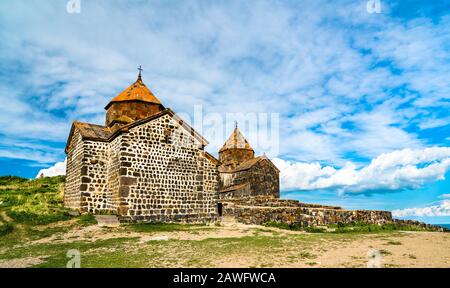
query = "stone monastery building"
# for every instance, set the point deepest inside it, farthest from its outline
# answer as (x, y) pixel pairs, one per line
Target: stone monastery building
(147, 164)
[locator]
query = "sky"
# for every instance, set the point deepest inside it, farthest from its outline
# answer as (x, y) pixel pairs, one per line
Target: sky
(362, 98)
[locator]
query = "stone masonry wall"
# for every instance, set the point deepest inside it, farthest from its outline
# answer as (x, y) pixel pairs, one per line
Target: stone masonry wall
(164, 175)
(302, 214)
(95, 195)
(73, 172)
(234, 157)
(276, 202)
(262, 178)
(236, 192)
(134, 110)
(265, 180)
(113, 171)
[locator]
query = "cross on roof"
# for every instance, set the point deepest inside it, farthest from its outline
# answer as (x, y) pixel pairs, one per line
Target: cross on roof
(140, 70)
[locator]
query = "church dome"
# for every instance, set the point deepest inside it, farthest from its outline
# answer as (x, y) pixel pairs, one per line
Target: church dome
(136, 92)
(236, 141)
(134, 103)
(236, 150)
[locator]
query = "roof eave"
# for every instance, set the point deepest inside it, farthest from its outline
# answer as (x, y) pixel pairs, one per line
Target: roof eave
(131, 100)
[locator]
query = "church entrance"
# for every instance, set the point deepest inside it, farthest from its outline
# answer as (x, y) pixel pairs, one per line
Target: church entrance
(219, 209)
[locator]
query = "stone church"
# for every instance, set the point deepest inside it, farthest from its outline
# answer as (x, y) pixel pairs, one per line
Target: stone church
(146, 164)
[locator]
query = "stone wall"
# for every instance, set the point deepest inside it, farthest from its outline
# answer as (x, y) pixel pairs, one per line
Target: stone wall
(73, 172)
(165, 176)
(265, 180)
(299, 213)
(276, 202)
(114, 152)
(259, 179)
(233, 157)
(420, 225)
(134, 110)
(157, 171)
(95, 195)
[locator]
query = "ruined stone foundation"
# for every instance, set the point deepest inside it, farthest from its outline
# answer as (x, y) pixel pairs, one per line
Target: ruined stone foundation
(259, 210)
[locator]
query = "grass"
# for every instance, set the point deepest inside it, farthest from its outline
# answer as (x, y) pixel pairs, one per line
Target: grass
(165, 227)
(394, 243)
(33, 202)
(129, 252)
(286, 226)
(385, 252)
(307, 255)
(87, 219)
(34, 223)
(11, 180)
(6, 228)
(373, 228)
(348, 228)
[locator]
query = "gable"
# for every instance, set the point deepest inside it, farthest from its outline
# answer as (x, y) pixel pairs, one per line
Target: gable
(166, 129)
(88, 132)
(174, 117)
(266, 161)
(212, 159)
(249, 164)
(104, 134)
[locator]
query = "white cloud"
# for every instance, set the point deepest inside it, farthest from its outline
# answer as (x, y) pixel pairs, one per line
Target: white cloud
(56, 170)
(433, 123)
(298, 58)
(443, 209)
(396, 170)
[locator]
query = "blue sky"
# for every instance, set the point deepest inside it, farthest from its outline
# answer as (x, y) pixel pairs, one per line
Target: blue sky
(363, 98)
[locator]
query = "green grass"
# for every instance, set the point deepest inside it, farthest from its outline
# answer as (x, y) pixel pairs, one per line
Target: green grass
(165, 227)
(32, 210)
(286, 226)
(86, 220)
(33, 202)
(11, 180)
(6, 228)
(374, 228)
(129, 252)
(314, 229)
(348, 228)
(295, 227)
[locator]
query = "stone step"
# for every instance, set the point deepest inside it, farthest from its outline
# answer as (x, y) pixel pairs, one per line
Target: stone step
(107, 220)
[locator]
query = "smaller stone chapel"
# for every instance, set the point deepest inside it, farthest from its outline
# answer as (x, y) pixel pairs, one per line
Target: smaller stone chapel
(148, 165)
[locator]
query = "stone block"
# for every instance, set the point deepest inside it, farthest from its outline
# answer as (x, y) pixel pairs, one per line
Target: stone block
(128, 181)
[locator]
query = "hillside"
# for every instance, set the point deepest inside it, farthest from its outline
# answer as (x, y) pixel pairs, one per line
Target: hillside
(37, 231)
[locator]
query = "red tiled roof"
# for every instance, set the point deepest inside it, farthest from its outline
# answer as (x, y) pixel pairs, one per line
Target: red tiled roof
(136, 92)
(93, 131)
(247, 165)
(236, 141)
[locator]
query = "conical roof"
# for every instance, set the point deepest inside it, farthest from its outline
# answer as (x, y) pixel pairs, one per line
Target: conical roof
(136, 92)
(236, 141)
